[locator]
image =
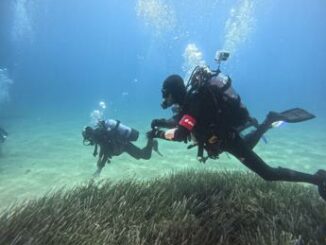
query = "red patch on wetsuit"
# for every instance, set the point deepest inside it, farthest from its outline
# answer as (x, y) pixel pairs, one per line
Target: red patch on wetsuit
(188, 122)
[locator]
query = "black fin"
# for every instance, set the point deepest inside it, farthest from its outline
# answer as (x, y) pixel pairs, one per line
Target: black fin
(296, 115)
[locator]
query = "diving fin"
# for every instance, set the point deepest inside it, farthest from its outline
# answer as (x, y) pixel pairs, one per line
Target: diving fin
(291, 116)
(296, 115)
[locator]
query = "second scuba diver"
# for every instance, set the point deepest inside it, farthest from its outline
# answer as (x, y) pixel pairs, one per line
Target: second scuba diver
(114, 138)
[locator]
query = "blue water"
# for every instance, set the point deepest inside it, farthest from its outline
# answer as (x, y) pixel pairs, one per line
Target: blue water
(59, 59)
(76, 53)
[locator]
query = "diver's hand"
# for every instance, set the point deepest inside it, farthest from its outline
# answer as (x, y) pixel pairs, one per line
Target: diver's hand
(151, 134)
(95, 151)
(155, 133)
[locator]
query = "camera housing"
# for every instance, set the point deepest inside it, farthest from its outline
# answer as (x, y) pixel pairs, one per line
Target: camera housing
(221, 55)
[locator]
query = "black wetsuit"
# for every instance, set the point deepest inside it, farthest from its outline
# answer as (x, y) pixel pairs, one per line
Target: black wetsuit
(140, 153)
(112, 145)
(200, 119)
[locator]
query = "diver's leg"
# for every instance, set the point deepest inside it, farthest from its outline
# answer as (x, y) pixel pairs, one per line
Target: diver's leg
(290, 116)
(136, 152)
(251, 122)
(252, 138)
(250, 159)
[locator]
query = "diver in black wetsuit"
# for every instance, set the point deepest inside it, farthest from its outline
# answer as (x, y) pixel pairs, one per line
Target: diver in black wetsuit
(175, 84)
(213, 126)
(114, 138)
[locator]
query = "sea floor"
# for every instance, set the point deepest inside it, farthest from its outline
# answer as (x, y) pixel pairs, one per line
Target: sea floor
(42, 155)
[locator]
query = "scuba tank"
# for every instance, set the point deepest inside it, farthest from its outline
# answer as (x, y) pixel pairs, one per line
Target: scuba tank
(227, 101)
(228, 108)
(233, 111)
(122, 131)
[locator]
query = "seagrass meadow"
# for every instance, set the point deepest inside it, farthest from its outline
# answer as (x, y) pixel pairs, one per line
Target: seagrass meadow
(67, 65)
(190, 207)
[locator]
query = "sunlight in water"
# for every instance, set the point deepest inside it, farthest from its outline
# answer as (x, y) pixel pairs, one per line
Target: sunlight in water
(22, 28)
(192, 57)
(157, 14)
(5, 82)
(239, 25)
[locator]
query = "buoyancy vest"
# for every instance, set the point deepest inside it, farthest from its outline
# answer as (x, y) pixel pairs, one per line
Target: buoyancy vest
(228, 111)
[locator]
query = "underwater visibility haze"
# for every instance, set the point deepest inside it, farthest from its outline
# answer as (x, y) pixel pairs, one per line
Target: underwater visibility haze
(65, 63)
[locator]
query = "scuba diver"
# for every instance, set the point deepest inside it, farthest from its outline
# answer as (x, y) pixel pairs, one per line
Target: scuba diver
(114, 138)
(213, 115)
(3, 135)
(175, 100)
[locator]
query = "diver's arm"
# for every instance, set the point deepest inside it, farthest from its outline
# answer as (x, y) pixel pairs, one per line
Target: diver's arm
(186, 124)
(101, 153)
(186, 121)
(171, 122)
(102, 158)
(164, 123)
(179, 133)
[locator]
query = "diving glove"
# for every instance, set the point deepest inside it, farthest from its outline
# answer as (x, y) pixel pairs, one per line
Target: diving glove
(155, 133)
